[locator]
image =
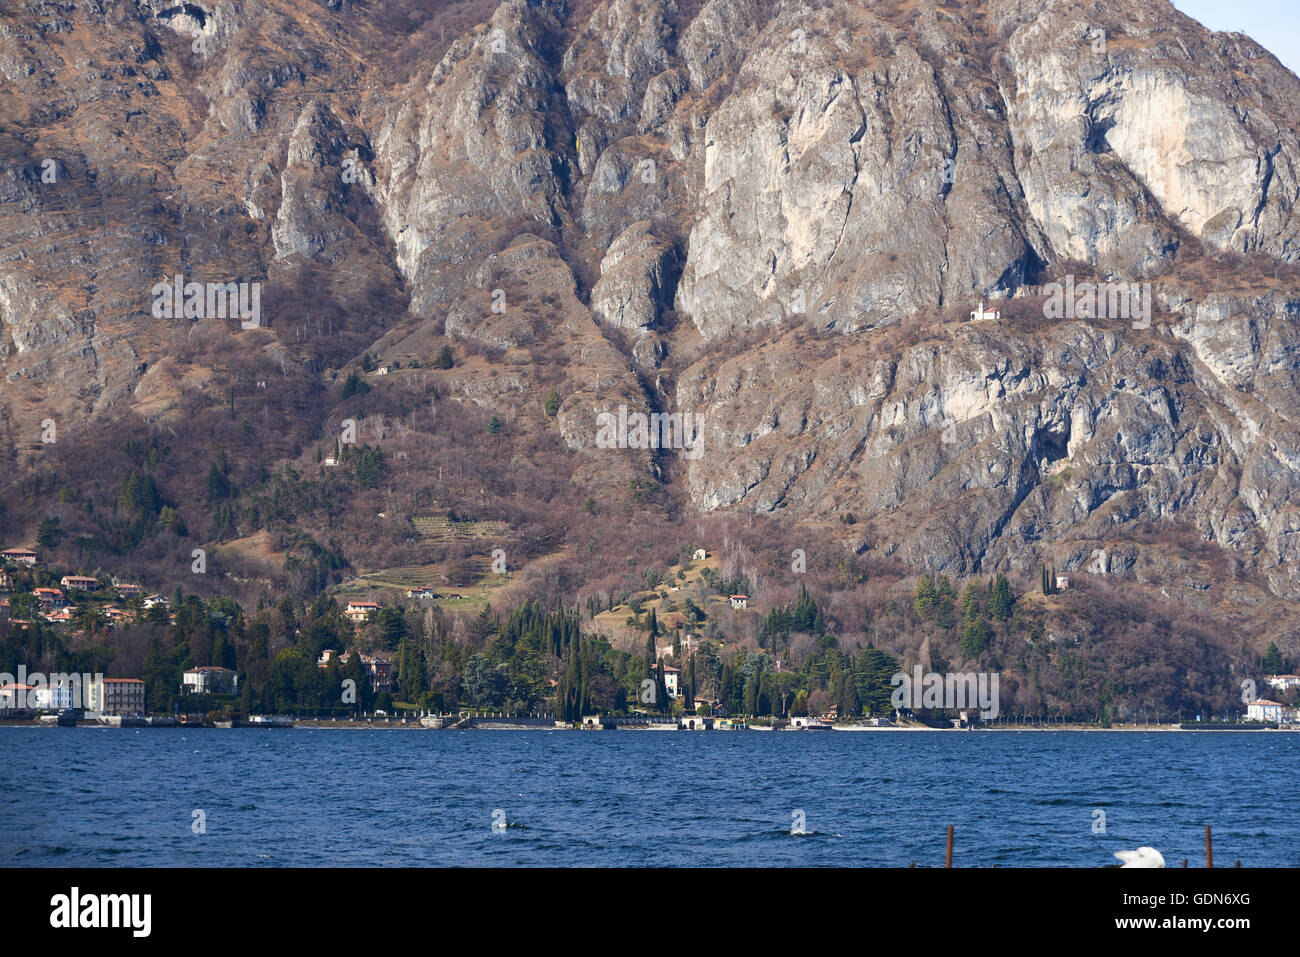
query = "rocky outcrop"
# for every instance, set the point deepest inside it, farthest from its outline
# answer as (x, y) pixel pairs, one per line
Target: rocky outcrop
(984, 446)
(1123, 134)
(634, 276)
(310, 221)
(470, 151)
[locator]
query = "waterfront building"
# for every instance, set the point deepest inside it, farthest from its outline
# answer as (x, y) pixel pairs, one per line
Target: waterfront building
(117, 696)
(211, 679)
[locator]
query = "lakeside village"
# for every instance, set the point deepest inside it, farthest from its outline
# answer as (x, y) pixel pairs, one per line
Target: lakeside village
(584, 683)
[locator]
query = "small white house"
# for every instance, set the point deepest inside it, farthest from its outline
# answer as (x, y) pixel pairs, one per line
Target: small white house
(1264, 710)
(980, 314)
(700, 555)
(330, 461)
(739, 601)
(1062, 582)
(1283, 682)
(671, 676)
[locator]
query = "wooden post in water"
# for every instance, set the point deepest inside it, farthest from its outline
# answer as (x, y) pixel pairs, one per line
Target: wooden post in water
(1209, 850)
(948, 859)
(1184, 862)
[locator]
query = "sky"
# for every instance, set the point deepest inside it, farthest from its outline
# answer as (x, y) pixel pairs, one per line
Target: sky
(1273, 24)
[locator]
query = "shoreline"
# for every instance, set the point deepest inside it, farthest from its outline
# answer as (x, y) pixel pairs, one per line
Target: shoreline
(414, 725)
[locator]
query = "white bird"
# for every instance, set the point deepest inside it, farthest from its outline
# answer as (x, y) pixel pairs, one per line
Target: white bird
(1142, 857)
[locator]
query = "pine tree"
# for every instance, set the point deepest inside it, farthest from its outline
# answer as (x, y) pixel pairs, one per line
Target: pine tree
(47, 533)
(1000, 598)
(354, 385)
(218, 486)
(926, 594)
(975, 637)
(848, 697)
(661, 688)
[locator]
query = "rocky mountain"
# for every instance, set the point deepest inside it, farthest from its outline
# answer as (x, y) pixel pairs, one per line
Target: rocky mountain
(775, 216)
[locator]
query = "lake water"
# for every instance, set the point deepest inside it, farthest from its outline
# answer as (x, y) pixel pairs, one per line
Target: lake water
(127, 798)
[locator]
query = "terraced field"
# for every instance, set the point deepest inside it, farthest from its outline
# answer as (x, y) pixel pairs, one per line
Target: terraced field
(441, 530)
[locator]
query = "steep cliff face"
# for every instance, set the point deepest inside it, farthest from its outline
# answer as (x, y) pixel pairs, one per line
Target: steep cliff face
(1131, 129)
(470, 150)
(979, 446)
(774, 214)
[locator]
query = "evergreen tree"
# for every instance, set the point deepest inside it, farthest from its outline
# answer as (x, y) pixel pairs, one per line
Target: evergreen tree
(688, 684)
(553, 403)
(872, 672)
(570, 688)
(355, 671)
(218, 486)
(445, 358)
(1000, 598)
(800, 707)
(354, 385)
(926, 596)
(47, 532)
(975, 637)
(848, 696)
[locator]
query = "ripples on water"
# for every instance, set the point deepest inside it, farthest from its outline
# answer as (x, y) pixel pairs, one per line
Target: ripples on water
(125, 797)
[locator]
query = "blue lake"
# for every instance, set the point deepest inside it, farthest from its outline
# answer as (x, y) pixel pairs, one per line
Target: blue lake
(127, 798)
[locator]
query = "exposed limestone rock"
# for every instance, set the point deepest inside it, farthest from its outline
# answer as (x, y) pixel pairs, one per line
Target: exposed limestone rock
(633, 276)
(310, 218)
